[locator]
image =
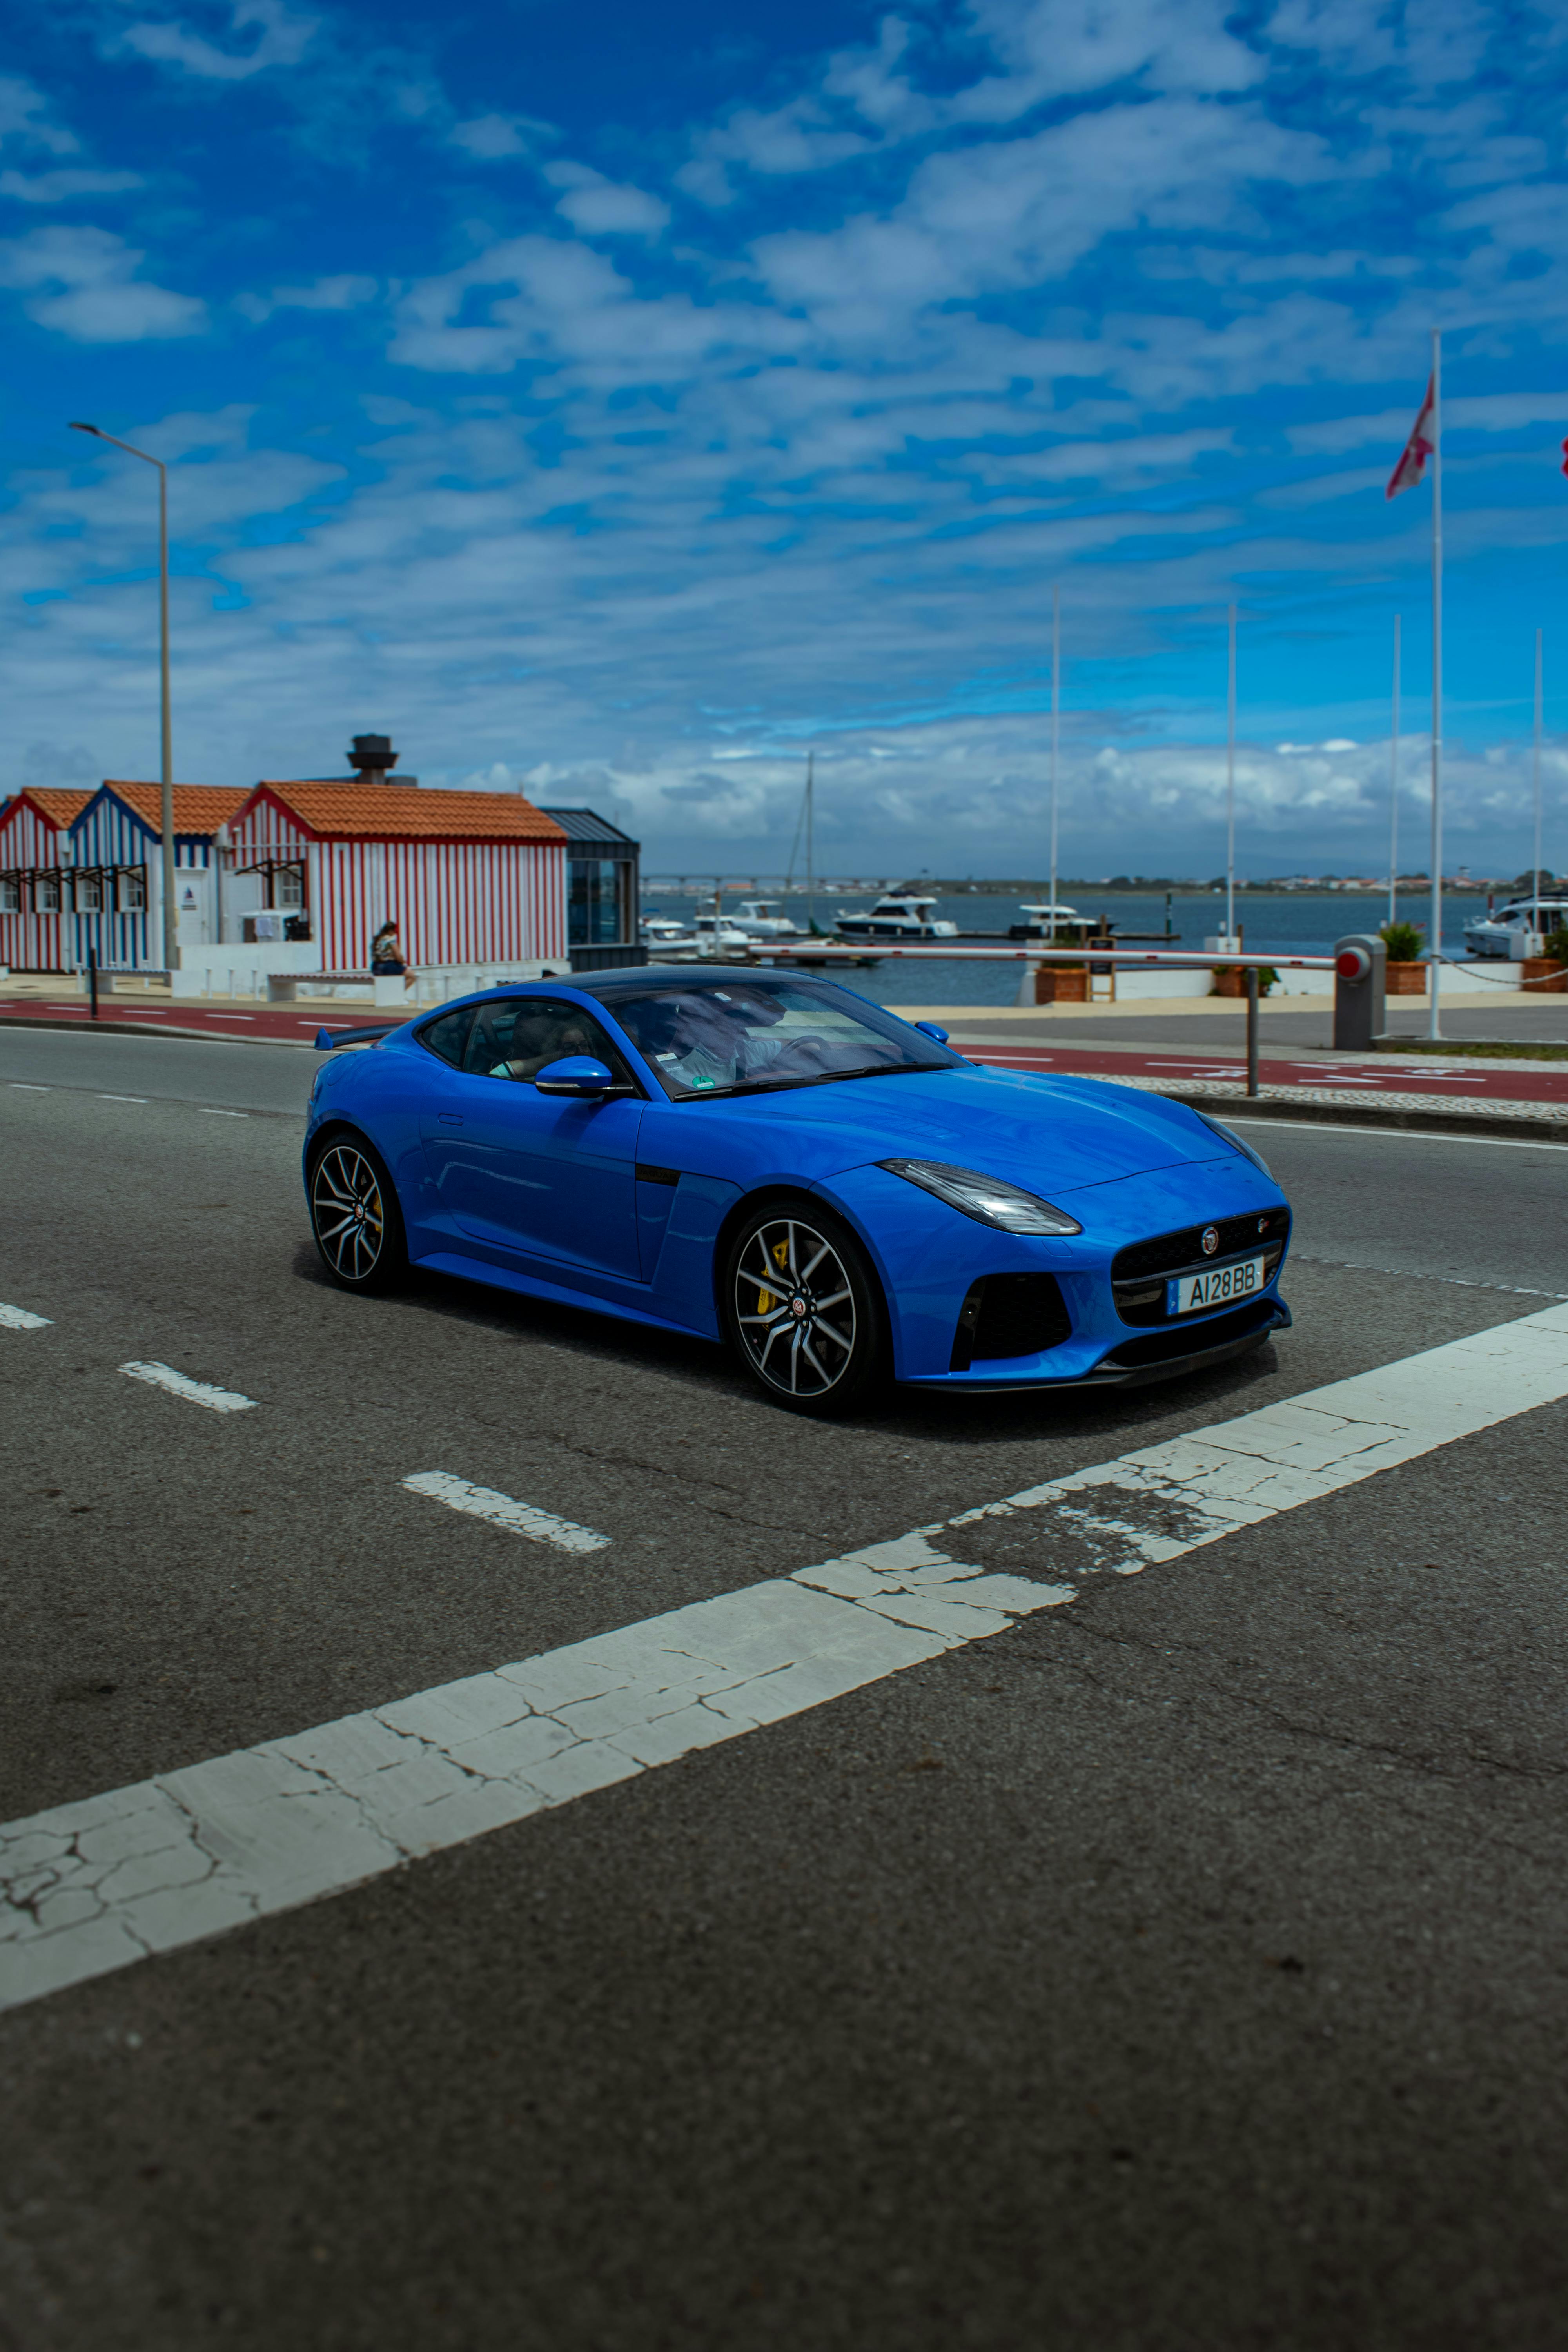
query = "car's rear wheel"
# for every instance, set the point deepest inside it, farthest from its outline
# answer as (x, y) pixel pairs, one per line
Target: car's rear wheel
(803, 1309)
(355, 1217)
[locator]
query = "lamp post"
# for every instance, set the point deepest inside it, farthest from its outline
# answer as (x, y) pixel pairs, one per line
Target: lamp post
(166, 809)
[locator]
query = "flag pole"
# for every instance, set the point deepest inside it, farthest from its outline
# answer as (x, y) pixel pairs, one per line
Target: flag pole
(1230, 788)
(1535, 870)
(1055, 741)
(1436, 937)
(1394, 790)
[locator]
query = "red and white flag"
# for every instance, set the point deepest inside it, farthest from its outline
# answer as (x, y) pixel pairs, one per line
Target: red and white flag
(1418, 449)
(1565, 457)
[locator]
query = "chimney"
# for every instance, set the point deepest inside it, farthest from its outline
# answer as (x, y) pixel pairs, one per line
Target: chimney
(371, 757)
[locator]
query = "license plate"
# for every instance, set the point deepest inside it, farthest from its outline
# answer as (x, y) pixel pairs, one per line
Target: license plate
(1215, 1287)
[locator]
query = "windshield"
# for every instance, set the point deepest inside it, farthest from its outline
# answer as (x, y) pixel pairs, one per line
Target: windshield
(749, 1035)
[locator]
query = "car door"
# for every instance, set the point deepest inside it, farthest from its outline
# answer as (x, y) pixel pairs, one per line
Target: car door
(553, 1175)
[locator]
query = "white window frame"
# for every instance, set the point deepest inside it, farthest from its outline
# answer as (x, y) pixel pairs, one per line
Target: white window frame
(86, 891)
(134, 892)
(47, 894)
(10, 895)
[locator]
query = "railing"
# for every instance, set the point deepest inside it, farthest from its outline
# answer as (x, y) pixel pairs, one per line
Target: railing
(1160, 959)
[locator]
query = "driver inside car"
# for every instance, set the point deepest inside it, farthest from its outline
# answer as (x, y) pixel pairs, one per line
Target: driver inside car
(714, 1039)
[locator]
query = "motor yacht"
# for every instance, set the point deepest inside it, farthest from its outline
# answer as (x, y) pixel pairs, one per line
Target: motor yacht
(764, 919)
(1043, 920)
(901, 915)
(1503, 932)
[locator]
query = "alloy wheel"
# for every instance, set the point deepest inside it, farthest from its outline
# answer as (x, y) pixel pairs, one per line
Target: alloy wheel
(794, 1307)
(349, 1212)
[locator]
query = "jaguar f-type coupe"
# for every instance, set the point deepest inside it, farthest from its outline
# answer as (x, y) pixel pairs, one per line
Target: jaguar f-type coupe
(772, 1162)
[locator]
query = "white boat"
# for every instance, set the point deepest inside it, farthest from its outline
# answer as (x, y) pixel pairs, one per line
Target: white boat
(668, 940)
(1042, 920)
(900, 915)
(764, 919)
(718, 935)
(1505, 932)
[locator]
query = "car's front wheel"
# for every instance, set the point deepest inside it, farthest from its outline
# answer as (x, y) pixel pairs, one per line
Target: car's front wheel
(355, 1217)
(803, 1310)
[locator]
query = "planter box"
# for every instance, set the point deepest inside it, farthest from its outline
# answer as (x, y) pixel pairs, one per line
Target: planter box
(1405, 980)
(1230, 983)
(1059, 984)
(1551, 978)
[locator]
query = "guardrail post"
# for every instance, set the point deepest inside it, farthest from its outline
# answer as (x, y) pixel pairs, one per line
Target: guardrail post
(1252, 1029)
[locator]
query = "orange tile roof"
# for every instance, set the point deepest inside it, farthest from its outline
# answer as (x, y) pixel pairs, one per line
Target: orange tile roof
(407, 812)
(59, 807)
(198, 808)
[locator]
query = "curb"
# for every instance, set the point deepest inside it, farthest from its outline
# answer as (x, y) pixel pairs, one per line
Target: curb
(1372, 1114)
(145, 1029)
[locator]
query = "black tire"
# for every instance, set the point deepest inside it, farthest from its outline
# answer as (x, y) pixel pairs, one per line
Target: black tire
(810, 1349)
(355, 1216)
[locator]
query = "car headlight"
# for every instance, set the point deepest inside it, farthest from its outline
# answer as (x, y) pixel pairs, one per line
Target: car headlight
(985, 1198)
(1228, 1135)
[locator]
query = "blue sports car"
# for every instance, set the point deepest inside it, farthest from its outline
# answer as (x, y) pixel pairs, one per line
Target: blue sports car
(774, 1162)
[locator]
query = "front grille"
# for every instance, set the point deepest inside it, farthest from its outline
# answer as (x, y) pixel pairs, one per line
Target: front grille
(1010, 1315)
(1176, 1339)
(1166, 1252)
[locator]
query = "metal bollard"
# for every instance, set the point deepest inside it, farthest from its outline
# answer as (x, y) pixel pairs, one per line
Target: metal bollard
(1361, 965)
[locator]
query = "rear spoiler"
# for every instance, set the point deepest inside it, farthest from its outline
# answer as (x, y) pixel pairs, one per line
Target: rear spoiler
(327, 1039)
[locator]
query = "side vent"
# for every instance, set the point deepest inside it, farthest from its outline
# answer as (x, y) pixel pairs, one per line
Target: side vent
(1007, 1314)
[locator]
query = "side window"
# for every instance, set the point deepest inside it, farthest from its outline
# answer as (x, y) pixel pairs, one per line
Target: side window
(448, 1035)
(517, 1039)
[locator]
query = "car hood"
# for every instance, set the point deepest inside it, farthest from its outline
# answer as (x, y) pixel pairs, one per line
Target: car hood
(1047, 1133)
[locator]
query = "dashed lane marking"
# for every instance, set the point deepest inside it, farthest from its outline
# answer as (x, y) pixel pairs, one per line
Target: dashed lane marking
(522, 1519)
(208, 1113)
(18, 1319)
(20, 1087)
(130, 1098)
(90, 1887)
(164, 1376)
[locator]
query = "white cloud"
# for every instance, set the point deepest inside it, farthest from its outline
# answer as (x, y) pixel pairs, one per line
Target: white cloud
(281, 39)
(64, 187)
(25, 117)
(489, 138)
(340, 293)
(82, 283)
(598, 207)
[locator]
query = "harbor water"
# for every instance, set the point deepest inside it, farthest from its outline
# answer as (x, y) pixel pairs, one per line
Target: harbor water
(1283, 922)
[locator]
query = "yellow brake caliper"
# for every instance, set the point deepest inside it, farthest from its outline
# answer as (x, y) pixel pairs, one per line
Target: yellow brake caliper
(780, 1255)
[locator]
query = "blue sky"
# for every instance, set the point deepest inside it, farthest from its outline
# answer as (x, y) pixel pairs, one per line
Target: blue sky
(618, 401)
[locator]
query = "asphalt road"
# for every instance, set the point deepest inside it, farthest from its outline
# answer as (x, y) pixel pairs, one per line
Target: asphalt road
(1180, 1969)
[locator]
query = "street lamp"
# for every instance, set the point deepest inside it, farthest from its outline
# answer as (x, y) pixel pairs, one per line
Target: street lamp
(167, 809)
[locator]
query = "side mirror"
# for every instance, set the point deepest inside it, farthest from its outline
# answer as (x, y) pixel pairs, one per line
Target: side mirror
(930, 1029)
(578, 1074)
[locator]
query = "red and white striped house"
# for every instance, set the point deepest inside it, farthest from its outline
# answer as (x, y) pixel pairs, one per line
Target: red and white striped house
(34, 893)
(466, 877)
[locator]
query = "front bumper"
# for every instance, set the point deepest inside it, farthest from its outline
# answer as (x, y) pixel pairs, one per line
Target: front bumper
(1263, 1316)
(929, 1257)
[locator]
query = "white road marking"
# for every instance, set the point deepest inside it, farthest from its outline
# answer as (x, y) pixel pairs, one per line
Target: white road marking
(207, 1112)
(17, 1319)
(20, 1087)
(94, 1885)
(164, 1376)
(522, 1519)
(1408, 1134)
(134, 1098)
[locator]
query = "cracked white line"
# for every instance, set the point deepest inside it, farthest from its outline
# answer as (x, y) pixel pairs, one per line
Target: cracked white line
(18, 1319)
(164, 1376)
(522, 1519)
(91, 1886)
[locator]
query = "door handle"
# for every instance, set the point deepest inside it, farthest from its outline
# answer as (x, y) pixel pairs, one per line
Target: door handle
(448, 1119)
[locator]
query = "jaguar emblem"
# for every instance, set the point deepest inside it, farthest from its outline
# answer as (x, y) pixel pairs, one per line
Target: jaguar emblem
(1210, 1238)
